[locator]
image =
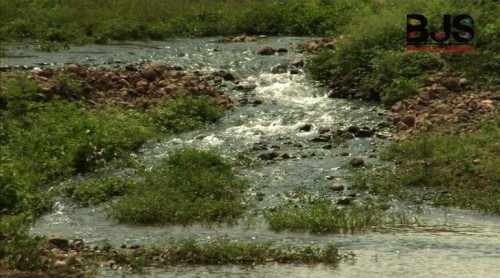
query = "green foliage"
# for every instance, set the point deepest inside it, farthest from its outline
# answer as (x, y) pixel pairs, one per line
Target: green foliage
(94, 20)
(43, 141)
(186, 113)
(447, 170)
(370, 52)
(18, 249)
(323, 216)
(188, 186)
(220, 251)
(98, 189)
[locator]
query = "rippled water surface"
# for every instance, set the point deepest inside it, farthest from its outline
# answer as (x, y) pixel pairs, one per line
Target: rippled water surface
(447, 243)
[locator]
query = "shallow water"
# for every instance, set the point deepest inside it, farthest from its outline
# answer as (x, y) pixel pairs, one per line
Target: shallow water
(447, 243)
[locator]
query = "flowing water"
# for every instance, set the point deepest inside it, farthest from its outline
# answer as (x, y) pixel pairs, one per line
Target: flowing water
(447, 243)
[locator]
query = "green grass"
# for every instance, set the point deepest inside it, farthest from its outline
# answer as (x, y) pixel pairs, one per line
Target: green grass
(46, 139)
(97, 21)
(189, 186)
(448, 170)
(222, 251)
(370, 54)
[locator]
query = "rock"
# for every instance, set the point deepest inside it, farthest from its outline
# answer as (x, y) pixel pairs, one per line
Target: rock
(285, 156)
(305, 127)
(322, 138)
(323, 130)
(353, 129)
(245, 87)
(226, 75)
(60, 263)
(452, 84)
(5, 68)
(266, 50)
(149, 74)
(364, 133)
(282, 50)
(73, 68)
(409, 120)
(347, 136)
(131, 68)
(327, 147)
(294, 70)
(357, 162)
(257, 102)
(400, 126)
(58, 240)
(344, 201)
(77, 245)
(298, 62)
(424, 95)
(443, 109)
(268, 156)
(46, 72)
(336, 187)
(281, 68)
(464, 83)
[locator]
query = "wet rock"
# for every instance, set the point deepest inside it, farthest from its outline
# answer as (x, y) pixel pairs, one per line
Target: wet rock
(285, 156)
(353, 129)
(294, 70)
(149, 74)
(336, 187)
(131, 68)
(226, 75)
(344, 201)
(266, 50)
(77, 245)
(322, 138)
(257, 102)
(357, 162)
(282, 50)
(305, 127)
(46, 72)
(281, 68)
(58, 240)
(327, 147)
(347, 136)
(323, 130)
(5, 68)
(364, 133)
(245, 87)
(268, 156)
(298, 62)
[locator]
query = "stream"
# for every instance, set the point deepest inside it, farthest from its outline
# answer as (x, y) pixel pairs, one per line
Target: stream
(446, 243)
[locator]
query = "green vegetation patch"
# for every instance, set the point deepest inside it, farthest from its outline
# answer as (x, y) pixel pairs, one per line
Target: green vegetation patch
(447, 170)
(370, 54)
(188, 186)
(322, 215)
(44, 139)
(97, 21)
(186, 113)
(222, 250)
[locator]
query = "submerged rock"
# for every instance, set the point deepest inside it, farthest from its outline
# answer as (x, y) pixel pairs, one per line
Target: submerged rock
(357, 162)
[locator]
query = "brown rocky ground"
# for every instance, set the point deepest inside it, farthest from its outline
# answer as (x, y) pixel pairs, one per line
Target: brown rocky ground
(445, 104)
(130, 87)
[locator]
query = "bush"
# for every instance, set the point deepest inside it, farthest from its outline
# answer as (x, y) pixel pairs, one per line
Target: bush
(188, 186)
(18, 249)
(186, 113)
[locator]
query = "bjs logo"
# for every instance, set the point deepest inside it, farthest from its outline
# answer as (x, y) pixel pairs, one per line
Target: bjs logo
(417, 33)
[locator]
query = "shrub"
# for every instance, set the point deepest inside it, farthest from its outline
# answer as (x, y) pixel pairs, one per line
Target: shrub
(186, 113)
(188, 186)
